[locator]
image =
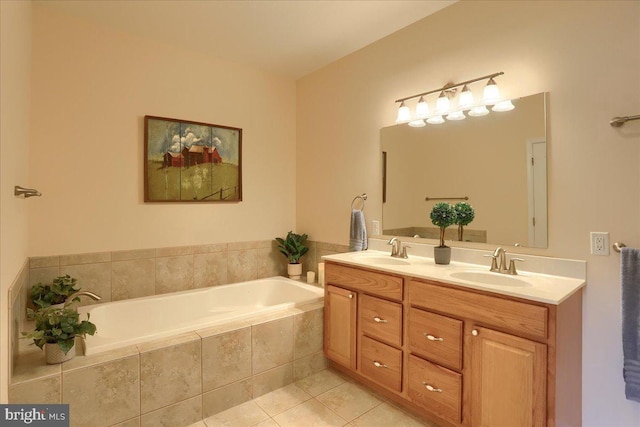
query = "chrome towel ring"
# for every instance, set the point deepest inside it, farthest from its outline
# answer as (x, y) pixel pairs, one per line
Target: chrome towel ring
(363, 197)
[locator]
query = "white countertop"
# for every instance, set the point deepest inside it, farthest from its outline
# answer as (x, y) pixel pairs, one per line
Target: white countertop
(550, 289)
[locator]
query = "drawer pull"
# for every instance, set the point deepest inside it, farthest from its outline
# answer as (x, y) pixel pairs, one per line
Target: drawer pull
(474, 332)
(379, 320)
(432, 338)
(379, 365)
(350, 296)
(431, 388)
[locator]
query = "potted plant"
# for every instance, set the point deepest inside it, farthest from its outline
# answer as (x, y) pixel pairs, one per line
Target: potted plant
(56, 330)
(464, 215)
(442, 216)
(43, 296)
(293, 248)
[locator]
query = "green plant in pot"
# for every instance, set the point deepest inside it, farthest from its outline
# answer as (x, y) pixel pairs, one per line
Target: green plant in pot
(43, 296)
(464, 215)
(293, 248)
(442, 215)
(56, 330)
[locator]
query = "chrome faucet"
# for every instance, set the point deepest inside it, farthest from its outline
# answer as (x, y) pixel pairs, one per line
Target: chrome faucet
(79, 294)
(397, 250)
(499, 262)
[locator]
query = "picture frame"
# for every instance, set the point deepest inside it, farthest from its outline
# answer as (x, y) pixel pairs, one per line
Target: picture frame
(191, 162)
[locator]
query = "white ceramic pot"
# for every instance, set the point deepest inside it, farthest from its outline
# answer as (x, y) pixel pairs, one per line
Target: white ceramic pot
(55, 355)
(294, 271)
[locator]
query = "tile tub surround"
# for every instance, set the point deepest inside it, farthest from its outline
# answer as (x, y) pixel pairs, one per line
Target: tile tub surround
(179, 380)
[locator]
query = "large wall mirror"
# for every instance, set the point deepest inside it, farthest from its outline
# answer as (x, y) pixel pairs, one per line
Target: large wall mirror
(497, 161)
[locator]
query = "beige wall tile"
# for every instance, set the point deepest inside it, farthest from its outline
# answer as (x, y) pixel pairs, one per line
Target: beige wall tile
(239, 246)
(307, 332)
(242, 265)
(309, 365)
(174, 274)
(321, 382)
(226, 358)
(272, 344)
(44, 261)
(170, 375)
(133, 279)
(91, 277)
(90, 258)
(273, 379)
(271, 263)
(104, 394)
(214, 247)
(282, 399)
(133, 254)
(170, 341)
(174, 251)
(43, 275)
(209, 269)
(46, 390)
(100, 358)
(32, 365)
(226, 397)
(179, 414)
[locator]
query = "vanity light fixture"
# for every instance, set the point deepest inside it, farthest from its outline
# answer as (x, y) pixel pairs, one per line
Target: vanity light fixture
(466, 105)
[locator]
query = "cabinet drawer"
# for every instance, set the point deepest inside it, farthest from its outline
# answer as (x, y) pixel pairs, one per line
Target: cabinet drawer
(367, 281)
(437, 338)
(511, 315)
(436, 388)
(381, 363)
(381, 319)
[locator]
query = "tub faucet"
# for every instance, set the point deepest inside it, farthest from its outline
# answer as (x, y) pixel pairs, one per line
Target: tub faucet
(82, 293)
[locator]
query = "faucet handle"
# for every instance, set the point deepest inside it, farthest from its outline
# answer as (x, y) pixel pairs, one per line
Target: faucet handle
(404, 252)
(494, 262)
(512, 265)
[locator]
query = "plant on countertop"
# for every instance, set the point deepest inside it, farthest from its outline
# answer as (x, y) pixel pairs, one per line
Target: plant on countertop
(58, 326)
(292, 246)
(62, 287)
(464, 215)
(443, 215)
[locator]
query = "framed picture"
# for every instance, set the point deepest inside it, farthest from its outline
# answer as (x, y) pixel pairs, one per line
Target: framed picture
(191, 162)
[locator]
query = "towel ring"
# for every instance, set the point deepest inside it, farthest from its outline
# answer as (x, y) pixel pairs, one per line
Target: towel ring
(363, 197)
(618, 246)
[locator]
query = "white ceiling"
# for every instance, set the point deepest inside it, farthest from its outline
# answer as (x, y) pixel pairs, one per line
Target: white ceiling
(292, 38)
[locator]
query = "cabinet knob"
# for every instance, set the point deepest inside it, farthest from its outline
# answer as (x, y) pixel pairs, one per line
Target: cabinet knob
(475, 332)
(431, 388)
(379, 365)
(379, 320)
(350, 296)
(432, 338)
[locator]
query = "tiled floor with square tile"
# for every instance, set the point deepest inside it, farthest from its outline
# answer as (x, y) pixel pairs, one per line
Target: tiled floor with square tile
(325, 399)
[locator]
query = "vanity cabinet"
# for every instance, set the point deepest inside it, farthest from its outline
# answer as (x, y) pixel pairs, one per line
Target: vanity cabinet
(458, 356)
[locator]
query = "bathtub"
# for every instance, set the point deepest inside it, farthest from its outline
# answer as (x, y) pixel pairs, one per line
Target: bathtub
(137, 320)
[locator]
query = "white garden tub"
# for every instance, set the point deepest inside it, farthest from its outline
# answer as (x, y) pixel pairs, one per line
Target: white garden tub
(132, 321)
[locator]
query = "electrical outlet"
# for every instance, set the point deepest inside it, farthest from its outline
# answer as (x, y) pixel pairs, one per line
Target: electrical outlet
(375, 228)
(599, 243)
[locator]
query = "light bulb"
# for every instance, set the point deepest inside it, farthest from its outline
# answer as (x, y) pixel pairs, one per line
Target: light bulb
(456, 115)
(435, 120)
(466, 98)
(478, 111)
(503, 106)
(404, 114)
(422, 109)
(417, 123)
(491, 92)
(442, 104)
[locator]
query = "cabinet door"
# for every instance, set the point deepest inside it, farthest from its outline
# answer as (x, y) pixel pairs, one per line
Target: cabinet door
(340, 326)
(508, 380)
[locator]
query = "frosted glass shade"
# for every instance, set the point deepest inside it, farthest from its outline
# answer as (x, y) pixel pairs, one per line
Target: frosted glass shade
(422, 109)
(465, 100)
(456, 115)
(491, 93)
(404, 114)
(435, 120)
(442, 104)
(503, 106)
(478, 111)
(417, 123)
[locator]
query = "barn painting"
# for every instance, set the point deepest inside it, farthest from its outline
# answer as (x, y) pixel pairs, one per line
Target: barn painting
(191, 162)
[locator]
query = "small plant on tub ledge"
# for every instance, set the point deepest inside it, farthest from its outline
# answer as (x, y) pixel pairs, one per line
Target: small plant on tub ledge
(43, 296)
(442, 216)
(56, 330)
(293, 248)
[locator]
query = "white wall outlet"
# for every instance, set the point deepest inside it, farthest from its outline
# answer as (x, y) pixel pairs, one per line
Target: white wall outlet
(599, 243)
(375, 228)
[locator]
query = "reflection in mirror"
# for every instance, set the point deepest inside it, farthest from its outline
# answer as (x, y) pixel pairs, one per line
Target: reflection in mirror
(498, 161)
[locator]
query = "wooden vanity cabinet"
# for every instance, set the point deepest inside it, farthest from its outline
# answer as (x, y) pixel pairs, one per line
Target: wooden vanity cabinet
(459, 357)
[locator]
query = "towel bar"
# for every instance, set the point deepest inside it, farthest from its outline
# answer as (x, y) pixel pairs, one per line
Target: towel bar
(618, 246)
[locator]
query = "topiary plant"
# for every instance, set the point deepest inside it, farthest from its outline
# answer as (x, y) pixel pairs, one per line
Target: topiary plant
(465, 214)
(443, 215)
(293, 246)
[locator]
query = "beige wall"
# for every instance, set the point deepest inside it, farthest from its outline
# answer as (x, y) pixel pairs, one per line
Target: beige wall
(15, 50)
(91, 89)
(585, 54)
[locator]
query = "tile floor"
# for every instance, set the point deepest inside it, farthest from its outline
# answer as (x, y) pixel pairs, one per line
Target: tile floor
(325, 399)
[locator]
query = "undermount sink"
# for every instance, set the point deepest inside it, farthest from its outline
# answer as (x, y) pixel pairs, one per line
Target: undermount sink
(489, 278)
(380, 260)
